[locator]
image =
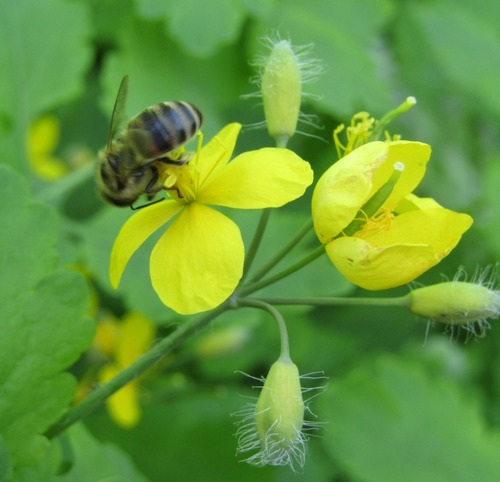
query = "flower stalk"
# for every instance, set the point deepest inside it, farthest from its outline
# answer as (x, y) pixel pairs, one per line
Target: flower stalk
(127, 375)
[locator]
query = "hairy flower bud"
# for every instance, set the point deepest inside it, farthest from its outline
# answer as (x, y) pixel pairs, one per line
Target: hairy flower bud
(282, 75)
(281, 88)
(274, 428)
(279, 412)
(455, 302)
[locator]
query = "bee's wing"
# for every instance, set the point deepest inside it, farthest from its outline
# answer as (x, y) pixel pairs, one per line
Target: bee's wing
(118, 110)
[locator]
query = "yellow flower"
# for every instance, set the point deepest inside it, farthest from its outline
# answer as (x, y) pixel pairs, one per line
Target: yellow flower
(125, 343)
(375, 232)
(41, 142)
(198, 261)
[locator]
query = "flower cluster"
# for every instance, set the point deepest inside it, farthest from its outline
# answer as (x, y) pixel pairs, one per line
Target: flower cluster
(373, 228)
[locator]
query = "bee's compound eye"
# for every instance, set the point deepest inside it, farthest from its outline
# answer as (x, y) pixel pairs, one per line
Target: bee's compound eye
(104, 175)
(114, 162)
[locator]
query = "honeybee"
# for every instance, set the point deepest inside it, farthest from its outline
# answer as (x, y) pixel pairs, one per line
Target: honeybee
(131, 163)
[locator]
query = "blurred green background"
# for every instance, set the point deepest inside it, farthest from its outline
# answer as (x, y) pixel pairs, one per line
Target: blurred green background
(403, 403)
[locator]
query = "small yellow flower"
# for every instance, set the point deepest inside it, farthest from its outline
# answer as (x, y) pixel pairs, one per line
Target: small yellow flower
(198, 261)
(382, 241)
(41, 142)
(124, 342)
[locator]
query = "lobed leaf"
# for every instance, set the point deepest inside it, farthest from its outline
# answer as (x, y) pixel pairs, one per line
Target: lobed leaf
(42, 329)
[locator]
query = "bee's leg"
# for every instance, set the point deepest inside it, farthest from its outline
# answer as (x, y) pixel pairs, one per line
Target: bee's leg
(150, 189)
(135, 208)
(176, 158)
(179, 195)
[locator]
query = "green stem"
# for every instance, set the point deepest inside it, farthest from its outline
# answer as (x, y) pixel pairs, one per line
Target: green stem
(146, 361)
(257, 238)
(390, 116)
(281, 141)
(262, 305)
(282, 252)
(252, 287)
(400, 301)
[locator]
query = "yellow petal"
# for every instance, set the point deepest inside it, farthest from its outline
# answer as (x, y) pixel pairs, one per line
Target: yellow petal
(438, 227)
(216, 153)
(414, 156)
(197, 263)
(269, 177)
(123, 406)
(412, 202)
(336, 201)
(134, 232)
(415, 242)
(136, 335)
(379, 268)
(43, 136)
(346, 186)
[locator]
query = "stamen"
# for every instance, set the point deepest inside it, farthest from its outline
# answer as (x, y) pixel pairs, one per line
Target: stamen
(376, 202)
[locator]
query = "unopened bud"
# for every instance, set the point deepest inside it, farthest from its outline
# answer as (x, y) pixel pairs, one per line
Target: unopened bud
(455, 302)
(281, 88)
(279, 412)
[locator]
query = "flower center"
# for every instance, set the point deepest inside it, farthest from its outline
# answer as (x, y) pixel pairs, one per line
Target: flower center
(179, 182)
(380, 222)
(372, 217)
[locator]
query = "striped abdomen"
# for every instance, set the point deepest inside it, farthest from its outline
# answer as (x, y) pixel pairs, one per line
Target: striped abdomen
(165, 127)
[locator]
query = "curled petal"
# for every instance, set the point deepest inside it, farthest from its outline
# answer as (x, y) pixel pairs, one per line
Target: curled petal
(135, 231)
(336, 201)
(414, 156)
(346, 186)
(197, 263)
(412, 202)
(269, 177)
(378, 268)
(416, 241)
(438, 227)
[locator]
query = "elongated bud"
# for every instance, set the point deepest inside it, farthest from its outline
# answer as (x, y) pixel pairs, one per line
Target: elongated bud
(455, 302)
(281, 88)
(274, 429)
(279, 412)
(282, 75)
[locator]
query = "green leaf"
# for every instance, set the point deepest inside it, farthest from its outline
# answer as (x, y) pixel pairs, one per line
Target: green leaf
(461, 44)
(200, 27)
(389, 421)
(93, 460)
(491, 233)
(43, 54)
(42, 331)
